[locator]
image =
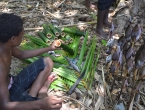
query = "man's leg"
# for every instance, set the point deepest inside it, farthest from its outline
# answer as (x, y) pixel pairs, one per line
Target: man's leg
(42, 77)
(106, 22)
(43, 91)
(100, 21)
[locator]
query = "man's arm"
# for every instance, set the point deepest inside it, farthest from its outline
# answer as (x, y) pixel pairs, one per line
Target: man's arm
(32, 105)
(22, 54)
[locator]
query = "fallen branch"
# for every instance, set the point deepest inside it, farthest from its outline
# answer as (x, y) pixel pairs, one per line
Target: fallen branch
(55, 16)
(60, 4)
(40, 28)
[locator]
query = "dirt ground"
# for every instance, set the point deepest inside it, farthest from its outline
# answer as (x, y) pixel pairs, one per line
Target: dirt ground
(60, 12)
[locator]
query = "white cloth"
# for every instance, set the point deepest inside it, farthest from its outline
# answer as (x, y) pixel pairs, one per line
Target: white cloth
(11, 82)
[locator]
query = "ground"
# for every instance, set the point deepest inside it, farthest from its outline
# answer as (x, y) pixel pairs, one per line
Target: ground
(61, 12)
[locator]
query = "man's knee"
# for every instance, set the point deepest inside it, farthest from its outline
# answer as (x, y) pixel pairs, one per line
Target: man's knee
(48, 61)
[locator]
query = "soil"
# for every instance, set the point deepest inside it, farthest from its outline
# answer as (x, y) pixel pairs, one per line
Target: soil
(36, 12)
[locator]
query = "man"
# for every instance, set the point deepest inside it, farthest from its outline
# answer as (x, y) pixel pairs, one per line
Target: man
(102, 17)
(36, 77)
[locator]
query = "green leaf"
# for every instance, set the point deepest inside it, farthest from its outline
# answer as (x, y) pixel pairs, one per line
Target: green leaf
(94, 16)
(54, 86)
(104, 42)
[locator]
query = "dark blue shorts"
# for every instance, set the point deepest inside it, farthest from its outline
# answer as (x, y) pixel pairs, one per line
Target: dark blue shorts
(104, 4)
(23, 81)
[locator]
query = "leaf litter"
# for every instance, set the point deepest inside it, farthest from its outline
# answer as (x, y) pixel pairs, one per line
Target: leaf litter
(72, 13)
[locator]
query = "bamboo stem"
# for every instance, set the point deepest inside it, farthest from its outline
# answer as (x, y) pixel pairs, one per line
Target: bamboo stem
(49, 36)
(57, 43)
(62, 34)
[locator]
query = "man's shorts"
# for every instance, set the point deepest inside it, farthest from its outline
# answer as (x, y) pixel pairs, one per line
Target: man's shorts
(23, 81)
(104, 4)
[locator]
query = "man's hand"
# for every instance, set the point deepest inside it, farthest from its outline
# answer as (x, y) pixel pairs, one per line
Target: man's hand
(51, 102)
(55, 45)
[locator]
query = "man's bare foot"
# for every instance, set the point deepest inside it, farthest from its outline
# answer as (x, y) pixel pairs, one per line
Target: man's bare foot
(43, 91)
(108, 24)
(101, 34)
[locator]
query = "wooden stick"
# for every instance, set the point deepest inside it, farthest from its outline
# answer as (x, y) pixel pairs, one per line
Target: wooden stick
(115, 76)
(29, 29)
(60, 3)
(123, 83)
(54, 15)
(40, 28)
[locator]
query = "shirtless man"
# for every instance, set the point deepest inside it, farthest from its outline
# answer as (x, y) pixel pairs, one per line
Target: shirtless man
(36, 77)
